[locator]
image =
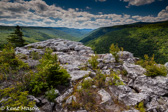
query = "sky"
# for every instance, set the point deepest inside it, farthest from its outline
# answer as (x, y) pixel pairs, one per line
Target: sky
(88, 14)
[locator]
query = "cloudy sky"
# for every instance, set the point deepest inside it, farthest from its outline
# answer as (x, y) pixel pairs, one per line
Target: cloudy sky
(81, 13)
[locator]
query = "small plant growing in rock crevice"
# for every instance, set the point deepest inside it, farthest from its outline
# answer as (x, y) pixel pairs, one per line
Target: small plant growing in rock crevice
(93, 61)
(141, 107)
(114, 49)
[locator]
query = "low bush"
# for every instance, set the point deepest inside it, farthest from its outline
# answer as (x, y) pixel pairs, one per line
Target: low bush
(15, 98)
(10, 64)
(87, 84)
(93, 61)
(50, 73)
(114, 49)
(140, 107)
(153, 69)
(51, 95)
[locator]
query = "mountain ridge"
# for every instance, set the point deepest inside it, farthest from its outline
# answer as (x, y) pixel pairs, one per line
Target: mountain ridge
(137, 38)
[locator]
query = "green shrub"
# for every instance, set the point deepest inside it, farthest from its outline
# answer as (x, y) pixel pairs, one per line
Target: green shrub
(10, 64)
(87, 84)
(93, 61)
(50, 73)
(15, 98)
(99, 80)
(51, 95)
(153, 69)
(114, 49)
(156, 70)
(140, 107)
(116, 80)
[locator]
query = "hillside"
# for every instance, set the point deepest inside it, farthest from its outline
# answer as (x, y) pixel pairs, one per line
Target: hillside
(138, 38)
(34, 34)
(59, 75)
(80, 33)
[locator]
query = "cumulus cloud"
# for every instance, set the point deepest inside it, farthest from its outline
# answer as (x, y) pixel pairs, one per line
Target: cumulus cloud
(38, 13)
(163, 13)
(138, 2)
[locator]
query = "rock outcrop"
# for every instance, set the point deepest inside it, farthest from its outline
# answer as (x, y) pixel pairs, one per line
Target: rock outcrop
(74, 55)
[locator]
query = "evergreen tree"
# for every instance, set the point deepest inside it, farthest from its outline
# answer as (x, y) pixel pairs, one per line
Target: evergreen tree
(16, 38)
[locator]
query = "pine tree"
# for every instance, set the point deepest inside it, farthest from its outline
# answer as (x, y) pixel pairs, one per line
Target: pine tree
(16, 38)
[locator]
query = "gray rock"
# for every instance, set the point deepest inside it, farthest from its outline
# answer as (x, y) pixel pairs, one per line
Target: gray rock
(78, 74)
(166, 65)
(32, 63)
(126, 95)
(70, 99)
(46, 108)
(88, 78)
(157, 104)
(108, 58)
(32, 98)
(106, 98)
(125, 55)
(62, 97)
(153, 86)
(133, 69)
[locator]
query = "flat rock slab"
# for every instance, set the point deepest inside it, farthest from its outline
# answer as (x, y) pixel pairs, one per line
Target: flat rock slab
(78, 74)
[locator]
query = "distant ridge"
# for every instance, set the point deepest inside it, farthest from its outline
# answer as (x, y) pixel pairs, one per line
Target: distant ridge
(139, 38)
(35, 33)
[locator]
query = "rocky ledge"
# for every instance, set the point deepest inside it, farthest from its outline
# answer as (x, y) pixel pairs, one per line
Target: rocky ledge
(74, 55)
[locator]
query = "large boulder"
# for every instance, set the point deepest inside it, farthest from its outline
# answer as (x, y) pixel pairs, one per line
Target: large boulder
(125, 55)
(133, 69)
(153, 86)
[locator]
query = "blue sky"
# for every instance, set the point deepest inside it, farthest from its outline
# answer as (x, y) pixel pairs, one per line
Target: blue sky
(81, 13)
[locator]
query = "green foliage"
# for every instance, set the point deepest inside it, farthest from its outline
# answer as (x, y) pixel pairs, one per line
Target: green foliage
(114, 49)
(99, 80)
(115, 79)
(51, 95)
(87, 84)
(35, 55)
(16, 38)
(49, 74)
(15, 98)
(152, 68)
(140, 107)
(93, 61)
(9, 62)
(87, 98)
(139, 39)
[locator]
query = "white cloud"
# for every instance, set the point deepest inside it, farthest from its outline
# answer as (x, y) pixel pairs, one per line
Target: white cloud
(138, 2)
(38, 13)
(163, 13)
